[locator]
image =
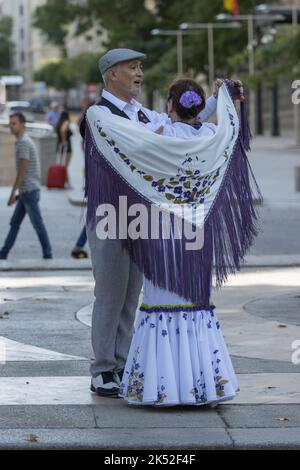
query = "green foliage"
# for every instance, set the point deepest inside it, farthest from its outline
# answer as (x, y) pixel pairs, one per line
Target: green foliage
(67, 73)
(278, 59)
(6, 46)
(129, 23)
(54, 74)
(54, 18)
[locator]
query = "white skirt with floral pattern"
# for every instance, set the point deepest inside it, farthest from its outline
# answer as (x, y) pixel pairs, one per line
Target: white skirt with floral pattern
(178, 355)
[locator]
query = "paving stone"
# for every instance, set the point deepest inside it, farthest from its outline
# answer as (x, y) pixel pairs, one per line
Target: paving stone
(260, 416)
(266, 438)
(44, 369)
(251, 365)
(149, 417)
(46, 416)
(117, 438)
(284, 308)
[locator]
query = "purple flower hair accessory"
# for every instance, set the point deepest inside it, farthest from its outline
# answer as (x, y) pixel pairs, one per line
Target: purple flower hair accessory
(189, 99)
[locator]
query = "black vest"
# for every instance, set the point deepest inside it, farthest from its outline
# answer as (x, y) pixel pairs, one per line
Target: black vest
(115, 110)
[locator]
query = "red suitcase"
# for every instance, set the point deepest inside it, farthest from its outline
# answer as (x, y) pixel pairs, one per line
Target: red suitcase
(57, 174)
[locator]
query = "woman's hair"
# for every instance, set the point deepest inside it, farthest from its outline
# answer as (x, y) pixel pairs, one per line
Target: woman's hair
(63, 117)
(188, 97)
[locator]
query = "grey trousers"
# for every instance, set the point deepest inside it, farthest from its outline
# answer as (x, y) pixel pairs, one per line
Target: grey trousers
(118, 283)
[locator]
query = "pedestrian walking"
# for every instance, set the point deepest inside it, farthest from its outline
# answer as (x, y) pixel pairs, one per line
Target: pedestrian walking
(78, 252)
(26, 189)
(64, 144)
(53, 114)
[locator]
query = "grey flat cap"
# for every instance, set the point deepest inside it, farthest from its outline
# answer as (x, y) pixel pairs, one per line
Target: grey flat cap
(114, 56)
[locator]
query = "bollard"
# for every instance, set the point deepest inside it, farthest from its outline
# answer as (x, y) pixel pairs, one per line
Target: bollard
(297, 178)
(46, 147)
(7, 159)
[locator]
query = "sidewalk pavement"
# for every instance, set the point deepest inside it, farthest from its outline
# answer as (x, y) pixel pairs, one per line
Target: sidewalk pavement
(45, 400)
(45, 317)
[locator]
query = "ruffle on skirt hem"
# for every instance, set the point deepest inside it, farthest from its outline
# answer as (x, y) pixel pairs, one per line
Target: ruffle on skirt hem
(178, 357)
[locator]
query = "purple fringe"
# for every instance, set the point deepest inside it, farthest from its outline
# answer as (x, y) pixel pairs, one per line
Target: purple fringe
(246, 135)
(230, 225)
(185, 308)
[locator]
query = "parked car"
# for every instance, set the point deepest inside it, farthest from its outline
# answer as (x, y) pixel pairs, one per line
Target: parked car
(16, 106)
(37, 105)
(33, 126)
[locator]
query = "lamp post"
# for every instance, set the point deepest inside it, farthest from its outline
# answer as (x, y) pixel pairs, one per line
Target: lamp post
(179, 33)
(210, 27)
(293, 10)
(173, 32)
(296, 107)
(251, 43)
(275, 127)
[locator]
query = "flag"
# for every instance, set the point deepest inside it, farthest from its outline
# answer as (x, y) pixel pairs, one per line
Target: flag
(232, 6)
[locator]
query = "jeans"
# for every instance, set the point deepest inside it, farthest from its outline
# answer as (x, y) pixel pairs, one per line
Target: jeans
(27, 203)
(82, 239)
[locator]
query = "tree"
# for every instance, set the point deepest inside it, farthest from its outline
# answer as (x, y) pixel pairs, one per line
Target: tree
(129, 23)
(276, 59)
(54, 18)
(55, 74)
(67, 73)
(6, 45)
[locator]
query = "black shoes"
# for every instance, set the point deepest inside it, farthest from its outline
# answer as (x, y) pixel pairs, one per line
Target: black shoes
(118, 375)
(79, 253)
(105, 384)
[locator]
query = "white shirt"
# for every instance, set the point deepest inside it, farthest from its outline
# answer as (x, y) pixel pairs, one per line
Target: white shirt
(157, 119)
(183, 130)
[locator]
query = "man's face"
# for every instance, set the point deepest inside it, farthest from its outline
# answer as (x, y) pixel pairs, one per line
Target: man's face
(127, 78)
(16, 126)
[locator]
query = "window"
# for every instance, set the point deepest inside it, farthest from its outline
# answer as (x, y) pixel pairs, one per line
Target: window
(22, 56)
(21, 10)
(21, 33)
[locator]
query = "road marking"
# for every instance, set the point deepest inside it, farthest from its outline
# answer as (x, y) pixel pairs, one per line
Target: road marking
(84, 315)
(15, 351)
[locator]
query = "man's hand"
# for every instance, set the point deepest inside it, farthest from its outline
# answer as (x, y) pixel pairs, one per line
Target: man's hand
(217, 86)
(239, 95)
(12, 199)
(159, 130)
(239, 90)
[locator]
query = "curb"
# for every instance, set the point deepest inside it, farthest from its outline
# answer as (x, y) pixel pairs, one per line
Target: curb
(149, 439)
(265, 261)
(49, 265)
(66, 264)
(77, 201)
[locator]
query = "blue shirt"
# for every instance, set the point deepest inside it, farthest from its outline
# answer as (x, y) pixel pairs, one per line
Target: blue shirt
(53, 117)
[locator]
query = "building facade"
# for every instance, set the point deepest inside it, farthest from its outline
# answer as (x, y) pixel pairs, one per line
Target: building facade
(31, 47)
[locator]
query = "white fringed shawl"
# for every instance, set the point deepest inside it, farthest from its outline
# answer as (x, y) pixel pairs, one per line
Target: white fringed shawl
(211, 173)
